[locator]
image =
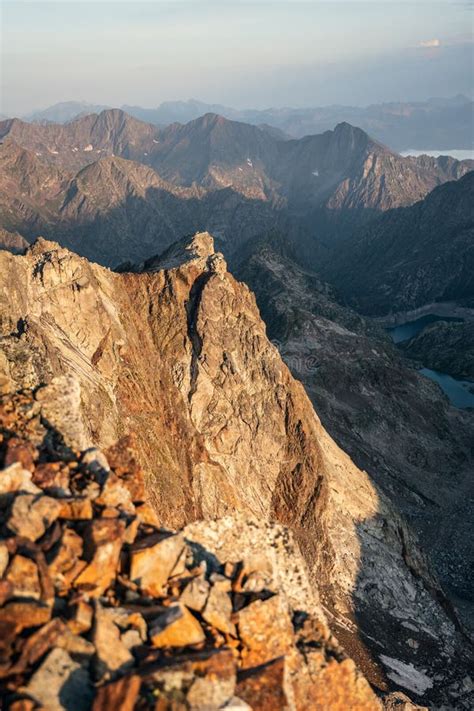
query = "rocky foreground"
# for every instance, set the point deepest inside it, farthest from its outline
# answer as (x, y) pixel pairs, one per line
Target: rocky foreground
(177, 354)
(103, 608)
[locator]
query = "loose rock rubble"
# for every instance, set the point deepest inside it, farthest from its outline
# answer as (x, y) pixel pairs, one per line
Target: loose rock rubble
(102, 608)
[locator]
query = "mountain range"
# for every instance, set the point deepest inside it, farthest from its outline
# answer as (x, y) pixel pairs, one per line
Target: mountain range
(332, 236)
(434, 124)
(178, 355)
(236, 179)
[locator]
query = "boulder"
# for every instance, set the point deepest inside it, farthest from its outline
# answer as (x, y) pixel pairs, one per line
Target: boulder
(31, 515)
(152, 561)
(61, 684)
(177, 627)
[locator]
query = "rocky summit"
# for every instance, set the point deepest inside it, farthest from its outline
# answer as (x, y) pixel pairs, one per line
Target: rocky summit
(100, 607)
(175, 354)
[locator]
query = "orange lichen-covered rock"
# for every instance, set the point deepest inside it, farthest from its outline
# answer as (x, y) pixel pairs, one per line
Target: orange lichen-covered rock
(120, 694)
(177, 627)
(105, 539)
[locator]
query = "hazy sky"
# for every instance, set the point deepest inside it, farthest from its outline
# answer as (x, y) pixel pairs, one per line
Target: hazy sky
(245, 54)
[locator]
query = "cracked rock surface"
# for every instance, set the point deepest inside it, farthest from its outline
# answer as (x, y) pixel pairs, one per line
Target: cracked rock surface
(177, 356)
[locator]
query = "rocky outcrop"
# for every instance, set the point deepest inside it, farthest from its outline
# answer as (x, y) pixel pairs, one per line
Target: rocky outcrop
(179, 357)
(393, 422)
(102, 608)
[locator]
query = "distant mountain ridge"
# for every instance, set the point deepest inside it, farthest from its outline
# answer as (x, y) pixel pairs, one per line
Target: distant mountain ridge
(215, 152)
(442, 124)
(115, 188)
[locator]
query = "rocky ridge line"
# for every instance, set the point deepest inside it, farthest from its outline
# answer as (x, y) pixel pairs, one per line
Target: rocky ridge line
(100, 607)
(179, 356)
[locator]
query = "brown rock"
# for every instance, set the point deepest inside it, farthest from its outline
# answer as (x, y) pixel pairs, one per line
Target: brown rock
(121, 458)
(218, 609)
(8, 637)
(195, 593)
(31, 515)
(152, 561)
(25, 614)
(203, 681)
(338, 686)
(120, 694)
(115, 494)
(397, 701)
(38, 644)
(76, 509)
(147, 515)
(81, 619)
(66, 555)
(16, 478)
(131, 531)
(6, 591)
(21, 451)
(111, 654)
(105, 539)
(75, 644)
(4, 557)
(214, 682)
(60, 684)
(22, 705)
(177, 627)
(265, 630)
(23, 576)
(263, 688)
(52, 477)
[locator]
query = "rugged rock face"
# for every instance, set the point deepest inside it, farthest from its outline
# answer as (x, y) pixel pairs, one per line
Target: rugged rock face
(393, 422)
(101, 608)
(445, 346)
(179, 356)
(431, 244)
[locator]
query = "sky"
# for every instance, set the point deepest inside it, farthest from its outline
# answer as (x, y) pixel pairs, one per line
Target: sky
(234, 52)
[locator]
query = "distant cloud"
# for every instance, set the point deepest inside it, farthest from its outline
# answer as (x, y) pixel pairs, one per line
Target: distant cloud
(429, 44)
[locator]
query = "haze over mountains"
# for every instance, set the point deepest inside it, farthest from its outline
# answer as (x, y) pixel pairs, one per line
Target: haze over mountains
(434, 124)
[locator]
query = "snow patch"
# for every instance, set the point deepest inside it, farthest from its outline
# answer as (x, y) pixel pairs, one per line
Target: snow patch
(316, 172)
(38, 154)
(407, 676)
(89, 148)
(74, 150)
(145, 154)
(249, 162)
(155, 141)
(54, 152)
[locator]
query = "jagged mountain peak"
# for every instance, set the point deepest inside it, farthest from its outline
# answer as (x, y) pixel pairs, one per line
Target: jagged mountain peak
(352, 138)
(198, 250)
(180, 357)
(116, 118)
